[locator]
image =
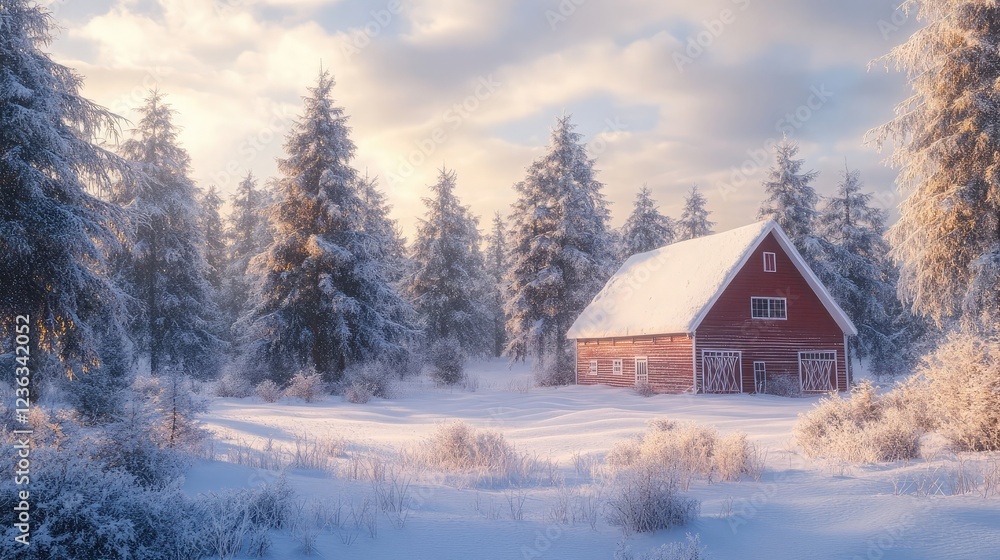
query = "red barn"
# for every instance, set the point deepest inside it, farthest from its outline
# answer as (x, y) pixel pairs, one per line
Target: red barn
(725, 313)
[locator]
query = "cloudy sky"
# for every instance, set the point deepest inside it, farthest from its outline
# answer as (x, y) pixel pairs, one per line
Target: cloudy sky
(669, 93)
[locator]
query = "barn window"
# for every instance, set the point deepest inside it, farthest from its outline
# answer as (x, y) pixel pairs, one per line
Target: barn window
(616, 367)
(770, 262)
(593, 367)
(768, 308)
(760, 377)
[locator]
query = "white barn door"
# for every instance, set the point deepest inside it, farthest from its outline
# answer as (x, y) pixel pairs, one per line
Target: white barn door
(641, 370)
(817, 371)
(722, 371)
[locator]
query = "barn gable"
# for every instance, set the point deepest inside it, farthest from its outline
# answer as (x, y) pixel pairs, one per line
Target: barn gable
(672, 289)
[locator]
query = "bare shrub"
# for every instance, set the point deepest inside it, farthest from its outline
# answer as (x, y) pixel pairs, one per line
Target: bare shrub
(644, 389)
(691, 549)
(447, 362)
(783, 386)
(646, 498)
(863, 428)
(233, 385)
(268, 391)
(963, 388)
(305, 385)
(370, 379)
(357, 394)
(483, 454)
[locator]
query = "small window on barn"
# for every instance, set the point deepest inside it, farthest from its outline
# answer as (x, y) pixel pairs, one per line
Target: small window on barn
(770, 262)
(616, 367)
(768, 308)
(593, 367)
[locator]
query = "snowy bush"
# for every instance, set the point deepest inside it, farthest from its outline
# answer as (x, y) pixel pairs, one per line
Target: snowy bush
(358, 393)
(305, 385)
(963, 391)
(372, 379)
(486, 454)
(783, 386)
(864, 428)
(233, 385)
(691, 549)
(268, 391)
(645, 498)
(552, 372)
(644, 389)
(447, 362)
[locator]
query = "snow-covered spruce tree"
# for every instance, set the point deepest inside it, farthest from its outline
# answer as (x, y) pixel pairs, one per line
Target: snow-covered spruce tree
(791, 199)
(381, 226)
(646, 228)
(560, 252)
(213, 232)
(248, 233)
(946, 146)
(53, 232)
(854, 265)
(496, 271)
(323, 300)
(176, 323)
(448, 284)
(694, 220)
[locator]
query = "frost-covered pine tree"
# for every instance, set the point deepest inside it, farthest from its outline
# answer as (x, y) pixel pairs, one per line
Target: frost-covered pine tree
(380, 225)
(947, 239)
(448, 284)
(560, 252)
(165, 272)
(496, 271)
(54, 234)
(694, 220)
(248, 233)
(790, 198)
(323, 299)
(215, 239)
(646, 228)
(853, 264)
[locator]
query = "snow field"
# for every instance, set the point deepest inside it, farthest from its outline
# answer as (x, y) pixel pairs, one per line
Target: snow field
(362, 455)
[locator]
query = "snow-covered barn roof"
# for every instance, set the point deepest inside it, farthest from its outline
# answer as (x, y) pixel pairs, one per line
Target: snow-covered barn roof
(671, 289)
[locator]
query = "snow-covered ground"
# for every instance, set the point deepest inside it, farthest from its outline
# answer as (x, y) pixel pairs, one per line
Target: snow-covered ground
(800, 508)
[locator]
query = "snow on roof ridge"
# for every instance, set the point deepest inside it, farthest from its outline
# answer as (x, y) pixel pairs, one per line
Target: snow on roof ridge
(631, 304)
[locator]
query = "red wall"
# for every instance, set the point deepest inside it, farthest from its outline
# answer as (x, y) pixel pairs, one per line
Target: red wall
(669, 359)
(729, 326)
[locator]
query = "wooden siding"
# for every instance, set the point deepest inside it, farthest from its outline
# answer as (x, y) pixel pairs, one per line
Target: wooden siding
(669, 359)
(809, 326)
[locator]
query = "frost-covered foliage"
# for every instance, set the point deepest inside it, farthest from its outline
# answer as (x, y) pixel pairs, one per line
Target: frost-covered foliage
(324, 299)
(268, 391)
(232, 384)
(248, 233)
(486, 454)
(791, 199)
(866, 427)
(306, 385)
(690, 549)
(646, 498)
(214, 234)
(645, 229)
(371, 379)
(175, 319)
(687, 451)
(496, 263)
(53, 233)
(448, 284)
(947, 239)
(380, 226)
(963, 391)
(447, 362)
(560, 247)
(694, 220)
(854, 264)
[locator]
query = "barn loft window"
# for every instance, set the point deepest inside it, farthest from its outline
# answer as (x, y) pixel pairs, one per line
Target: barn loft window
(616, 367)
(593, 367)
(770, 262)
(768, 308)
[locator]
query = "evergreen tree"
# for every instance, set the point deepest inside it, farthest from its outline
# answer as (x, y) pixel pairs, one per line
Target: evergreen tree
(791, 199)
(560, 251)
(448, 283)
(248, 234)
(496, 271)
(855, 267)
(323, 300)
(380, 225)
(215, 239)
(54, 234)
(947, 239)
(646, 229)
(694, 220)
(176, 324)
